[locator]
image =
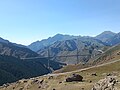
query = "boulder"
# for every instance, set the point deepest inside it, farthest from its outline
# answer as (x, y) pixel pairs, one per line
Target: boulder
(74, 77)
(105, 84)
(94, 74)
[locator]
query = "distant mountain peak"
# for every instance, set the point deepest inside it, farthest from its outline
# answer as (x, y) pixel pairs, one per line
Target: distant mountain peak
(114, 40)
(104, 36)
(35, 46)
(108, 32)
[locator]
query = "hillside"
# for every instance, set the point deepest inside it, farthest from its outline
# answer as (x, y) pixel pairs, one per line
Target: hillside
(57, 81)
(10, 49)
(18, 69)
(12, 69)
(111, 54)
(35, 46)
(85, 46)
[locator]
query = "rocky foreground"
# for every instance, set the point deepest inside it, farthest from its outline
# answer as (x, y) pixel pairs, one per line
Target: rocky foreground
(106, 84)
(63, 82)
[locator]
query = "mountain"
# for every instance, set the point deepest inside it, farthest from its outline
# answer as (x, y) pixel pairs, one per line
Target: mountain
(35, 46)
(114, 40)
(10, 49)
(85, 45)
(109, 38)
(8, 42)
(104, 36)
(15, 50)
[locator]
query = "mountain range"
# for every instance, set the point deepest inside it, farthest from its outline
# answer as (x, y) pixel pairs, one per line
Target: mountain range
(85, 46)
(107, 66)
(107, 37)
(19, 61)
(61, 45)
(35, 46)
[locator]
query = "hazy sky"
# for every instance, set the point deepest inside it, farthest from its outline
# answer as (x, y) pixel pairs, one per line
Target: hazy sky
(25, 21)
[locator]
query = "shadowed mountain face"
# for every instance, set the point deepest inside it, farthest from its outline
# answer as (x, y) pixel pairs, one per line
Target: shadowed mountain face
(12, 69)
(105, 36)
(85, 45)
(46, 42)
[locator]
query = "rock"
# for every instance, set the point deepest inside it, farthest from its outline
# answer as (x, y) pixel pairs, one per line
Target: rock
(83, 89)
(41, 81)
(34, 81)
(105, 84)
(109, 74)
(25, 81)
(50, 77)
(39, 87)
(74, 77)
(90, 82)
(21, 88)
(13, 87)
(94, 74)
(60, 82)
(5, 85)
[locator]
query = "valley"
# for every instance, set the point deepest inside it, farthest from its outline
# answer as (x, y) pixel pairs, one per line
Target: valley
(22, 68)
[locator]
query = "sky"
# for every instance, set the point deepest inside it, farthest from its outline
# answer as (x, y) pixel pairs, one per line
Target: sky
(26, 21)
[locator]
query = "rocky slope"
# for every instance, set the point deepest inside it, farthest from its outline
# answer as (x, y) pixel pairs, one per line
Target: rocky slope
(35, 46)
(85, 46)
(104, 36)
(113, 53)
(110, 55)
(114, 40)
